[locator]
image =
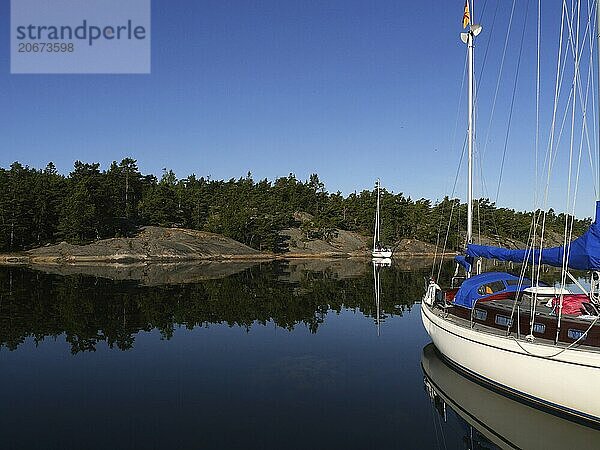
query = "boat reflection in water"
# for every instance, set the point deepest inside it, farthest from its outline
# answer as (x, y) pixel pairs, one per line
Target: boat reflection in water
(377, 266)
(490, 420)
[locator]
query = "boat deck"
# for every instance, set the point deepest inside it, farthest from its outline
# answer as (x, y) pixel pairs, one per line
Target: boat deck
(503, 318)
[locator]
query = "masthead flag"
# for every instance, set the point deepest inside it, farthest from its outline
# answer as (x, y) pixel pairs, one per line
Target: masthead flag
(466, 15)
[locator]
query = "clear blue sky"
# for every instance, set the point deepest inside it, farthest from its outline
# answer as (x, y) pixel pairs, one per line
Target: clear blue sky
(352, 90)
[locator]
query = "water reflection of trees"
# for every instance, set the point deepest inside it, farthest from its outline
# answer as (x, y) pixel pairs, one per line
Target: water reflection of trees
(89, 310)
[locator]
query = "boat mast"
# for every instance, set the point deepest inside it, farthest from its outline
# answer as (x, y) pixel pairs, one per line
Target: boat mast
(468, 38)
(378, 203)
(595, 279)
(470, 140)
(376, 234)
(598, 93)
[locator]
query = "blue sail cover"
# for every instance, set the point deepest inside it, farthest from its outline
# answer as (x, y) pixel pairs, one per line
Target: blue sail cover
(474, 289)
(584, 253)
(465, 261)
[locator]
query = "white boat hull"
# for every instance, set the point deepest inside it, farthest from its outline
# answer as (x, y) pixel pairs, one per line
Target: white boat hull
(384, 253)
(568, 383)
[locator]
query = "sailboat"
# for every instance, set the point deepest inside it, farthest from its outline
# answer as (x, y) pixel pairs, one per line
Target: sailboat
(379, 250)
(537, 342)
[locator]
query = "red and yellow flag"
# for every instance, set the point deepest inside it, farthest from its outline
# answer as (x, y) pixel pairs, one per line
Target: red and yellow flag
(466, 15)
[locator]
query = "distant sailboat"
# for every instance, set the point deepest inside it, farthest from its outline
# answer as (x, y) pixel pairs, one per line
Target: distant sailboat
(379, 250)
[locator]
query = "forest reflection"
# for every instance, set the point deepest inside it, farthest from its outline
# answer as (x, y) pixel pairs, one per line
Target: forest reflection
(89, 309)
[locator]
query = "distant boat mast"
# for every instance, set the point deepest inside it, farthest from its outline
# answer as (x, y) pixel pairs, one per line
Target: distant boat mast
(376, 234)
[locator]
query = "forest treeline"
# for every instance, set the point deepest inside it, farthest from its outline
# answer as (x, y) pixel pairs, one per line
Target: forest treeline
(41, 206)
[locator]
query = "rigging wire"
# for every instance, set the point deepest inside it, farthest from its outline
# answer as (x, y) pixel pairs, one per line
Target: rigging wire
(512, 102)
(591, 27)
(455, 132)
(487, 46)
(453, 205)
(550, 149)
(537, 100)
(588, 32)
(533, 229)
(482, 154)
(568, 221)
(482, 179)
(568, 191)
(500, 70)
(576, 87)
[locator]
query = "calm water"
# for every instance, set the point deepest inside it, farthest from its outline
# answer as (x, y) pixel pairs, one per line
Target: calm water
(268, 356)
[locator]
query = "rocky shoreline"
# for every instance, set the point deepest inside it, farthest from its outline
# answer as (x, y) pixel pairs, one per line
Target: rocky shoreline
(175, 245)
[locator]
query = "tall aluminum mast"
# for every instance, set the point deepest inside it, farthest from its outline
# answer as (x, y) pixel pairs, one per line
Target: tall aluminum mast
(598, 91)
(468, 38)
